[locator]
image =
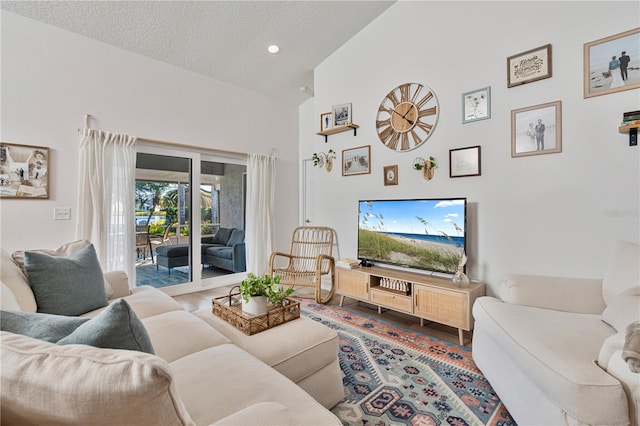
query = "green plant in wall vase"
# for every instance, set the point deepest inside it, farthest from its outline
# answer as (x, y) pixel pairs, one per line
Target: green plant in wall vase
(324, 159)
(428, 167)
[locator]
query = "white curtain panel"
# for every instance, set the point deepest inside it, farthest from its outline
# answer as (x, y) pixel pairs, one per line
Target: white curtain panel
(261, 178)
(106, 206)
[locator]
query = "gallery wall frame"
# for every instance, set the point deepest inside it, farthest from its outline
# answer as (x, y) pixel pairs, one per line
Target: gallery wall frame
(341, 114)
(356, 161)
(464, 161)
(536, 129)
(390, 175)
(529, 66)
(326, 121)
(476, 105)
(598, 56)
(24, 171)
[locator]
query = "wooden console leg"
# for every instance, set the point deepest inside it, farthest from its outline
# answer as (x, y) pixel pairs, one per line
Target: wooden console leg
(341, 299)
(461, 336)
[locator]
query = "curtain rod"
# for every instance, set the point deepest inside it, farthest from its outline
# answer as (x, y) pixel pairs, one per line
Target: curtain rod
(176, 144)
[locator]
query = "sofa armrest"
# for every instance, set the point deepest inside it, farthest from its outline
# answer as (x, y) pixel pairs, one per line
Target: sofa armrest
(579, 295)
(239, 258)
(630, 382)
(119, 283)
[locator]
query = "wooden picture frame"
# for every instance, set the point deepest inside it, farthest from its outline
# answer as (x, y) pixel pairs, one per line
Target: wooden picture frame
(24, 171)
(464, 162)
(598, 78)
(476, 105)
(528, 138)
(356, 161)
(529, 66)
(341, 115)
(390, 175)
(326, 121)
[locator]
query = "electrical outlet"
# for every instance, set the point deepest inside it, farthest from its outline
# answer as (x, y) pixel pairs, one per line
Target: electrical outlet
(62, 213)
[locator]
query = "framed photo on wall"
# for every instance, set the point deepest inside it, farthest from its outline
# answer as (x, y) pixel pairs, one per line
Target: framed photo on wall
(611, 64)
(476, 105)
(390, 175)
(24, 171)
(341, 114)
(326, 121)
(529, 66)
(356, 161)
(464, 161)
(536, 129)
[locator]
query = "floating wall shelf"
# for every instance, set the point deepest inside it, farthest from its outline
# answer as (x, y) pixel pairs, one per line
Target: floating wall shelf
(338, 129)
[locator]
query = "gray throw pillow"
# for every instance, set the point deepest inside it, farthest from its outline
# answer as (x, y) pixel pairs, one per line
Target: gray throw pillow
(69, 285)
(39, 326)
(117, 327)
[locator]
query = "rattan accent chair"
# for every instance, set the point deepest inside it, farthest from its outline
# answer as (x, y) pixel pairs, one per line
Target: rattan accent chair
(309, 260)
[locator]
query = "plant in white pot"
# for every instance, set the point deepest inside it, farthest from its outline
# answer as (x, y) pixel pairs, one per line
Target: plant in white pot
(258, 292)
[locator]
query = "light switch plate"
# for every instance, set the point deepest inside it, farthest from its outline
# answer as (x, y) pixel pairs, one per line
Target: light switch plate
(62, 213)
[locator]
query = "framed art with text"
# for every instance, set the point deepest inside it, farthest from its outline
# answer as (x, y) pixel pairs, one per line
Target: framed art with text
(464, 161)
(536, 129)
(611, 64)
(529, 66)
(24, 171)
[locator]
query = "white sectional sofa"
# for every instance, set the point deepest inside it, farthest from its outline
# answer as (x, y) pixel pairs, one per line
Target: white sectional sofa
(196, 376)
(552, 347)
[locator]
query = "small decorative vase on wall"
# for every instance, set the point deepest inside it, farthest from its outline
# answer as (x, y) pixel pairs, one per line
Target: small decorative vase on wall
(427, 167)
(328, 164)
(257, 305)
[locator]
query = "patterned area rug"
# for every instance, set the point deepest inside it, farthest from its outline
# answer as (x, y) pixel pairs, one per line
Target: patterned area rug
(397, 376)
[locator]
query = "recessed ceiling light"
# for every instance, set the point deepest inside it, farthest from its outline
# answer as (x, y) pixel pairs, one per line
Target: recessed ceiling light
(273, 48)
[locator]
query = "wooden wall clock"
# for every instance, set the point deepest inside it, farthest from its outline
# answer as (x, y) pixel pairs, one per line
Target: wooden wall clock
(407, 117)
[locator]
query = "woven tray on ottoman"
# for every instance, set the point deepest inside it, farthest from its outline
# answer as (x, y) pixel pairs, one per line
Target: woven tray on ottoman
(229, 308)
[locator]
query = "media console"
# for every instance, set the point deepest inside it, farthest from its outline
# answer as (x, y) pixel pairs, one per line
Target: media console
(426, 297)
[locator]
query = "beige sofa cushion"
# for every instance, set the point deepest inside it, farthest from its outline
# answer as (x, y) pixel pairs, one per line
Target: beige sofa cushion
(170, 339)
(11, 276)
(623, 309)
(227, 367)
(623, 270)
(557, 351)
(146, 301)
(43, 383)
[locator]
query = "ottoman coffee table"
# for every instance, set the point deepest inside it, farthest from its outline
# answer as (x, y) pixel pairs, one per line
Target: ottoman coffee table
(303, 350)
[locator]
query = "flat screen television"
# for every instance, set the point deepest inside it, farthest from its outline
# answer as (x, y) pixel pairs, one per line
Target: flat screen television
(424, 234)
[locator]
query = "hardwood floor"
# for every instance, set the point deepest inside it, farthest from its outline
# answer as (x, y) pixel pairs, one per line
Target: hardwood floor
(202, 299)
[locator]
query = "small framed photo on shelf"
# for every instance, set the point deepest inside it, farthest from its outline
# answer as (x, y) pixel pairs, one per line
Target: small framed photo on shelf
(341, 114)
(24, 171)
(391, 175)
(464, 161)
(536, 129)
(356, 161)
(476, 105)
(606, 64)
(326, 121)
(529, 66)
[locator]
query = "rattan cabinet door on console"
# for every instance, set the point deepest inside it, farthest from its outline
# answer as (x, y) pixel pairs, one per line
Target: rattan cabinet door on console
(451, 307)
(352, 283)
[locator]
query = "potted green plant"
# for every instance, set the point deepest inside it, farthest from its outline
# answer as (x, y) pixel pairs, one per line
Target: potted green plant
(322, 159)
(258, 292)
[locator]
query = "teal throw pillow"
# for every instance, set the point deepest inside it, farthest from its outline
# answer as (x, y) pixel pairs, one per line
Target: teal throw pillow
(117, 327)
(69, 285)
(40, 326)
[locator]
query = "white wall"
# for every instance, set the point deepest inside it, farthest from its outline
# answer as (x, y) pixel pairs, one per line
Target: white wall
(52, 77)
(545, 214)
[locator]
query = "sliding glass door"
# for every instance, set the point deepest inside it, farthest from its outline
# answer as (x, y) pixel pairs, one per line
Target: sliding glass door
(188, 204)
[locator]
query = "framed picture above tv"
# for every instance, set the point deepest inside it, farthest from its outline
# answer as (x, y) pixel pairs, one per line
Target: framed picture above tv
(536, 129)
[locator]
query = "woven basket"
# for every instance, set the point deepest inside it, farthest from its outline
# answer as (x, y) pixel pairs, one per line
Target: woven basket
(229, 308)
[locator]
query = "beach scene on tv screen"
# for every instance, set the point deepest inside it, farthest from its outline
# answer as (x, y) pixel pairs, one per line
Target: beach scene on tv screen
(424, 234)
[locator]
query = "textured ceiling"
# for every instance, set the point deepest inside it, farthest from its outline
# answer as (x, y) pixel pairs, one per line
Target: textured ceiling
(226, 40)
